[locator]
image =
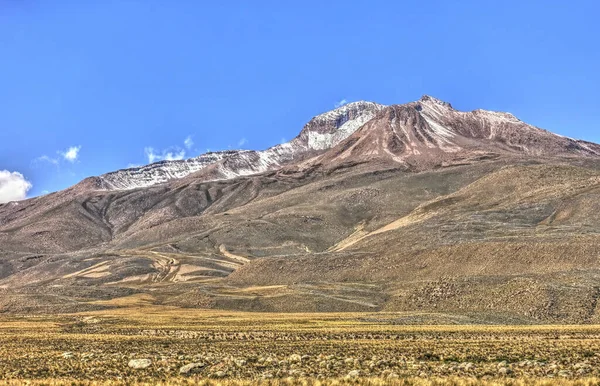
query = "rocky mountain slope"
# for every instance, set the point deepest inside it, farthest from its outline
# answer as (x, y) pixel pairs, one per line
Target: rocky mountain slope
(415, 207)
(429, 132)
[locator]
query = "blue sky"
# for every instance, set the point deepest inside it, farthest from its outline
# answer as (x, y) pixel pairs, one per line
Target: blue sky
(87, 87)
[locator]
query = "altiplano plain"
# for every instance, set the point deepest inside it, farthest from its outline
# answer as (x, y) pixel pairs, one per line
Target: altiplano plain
(140, 343)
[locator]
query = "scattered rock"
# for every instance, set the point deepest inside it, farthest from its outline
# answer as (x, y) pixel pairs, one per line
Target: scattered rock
(565, 374)
(140, 363)
(504, 371)
(192, 368)
(295, 358)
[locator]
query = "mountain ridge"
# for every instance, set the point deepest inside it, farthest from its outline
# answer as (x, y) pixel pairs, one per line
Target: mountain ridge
(319, 134)
(324, 132)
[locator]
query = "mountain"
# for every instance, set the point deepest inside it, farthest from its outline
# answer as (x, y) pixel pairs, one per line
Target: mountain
(403, 208)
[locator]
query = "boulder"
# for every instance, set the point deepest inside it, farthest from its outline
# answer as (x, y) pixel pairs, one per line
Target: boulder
(191, 368)
(140, 363)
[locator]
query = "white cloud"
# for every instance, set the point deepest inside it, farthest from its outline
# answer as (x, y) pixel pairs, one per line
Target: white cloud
(171, 154)
(340, 103)
(242, 142)
(45, 158)
(71, 154)
(188, 142)
(13, 186)
(152, 156)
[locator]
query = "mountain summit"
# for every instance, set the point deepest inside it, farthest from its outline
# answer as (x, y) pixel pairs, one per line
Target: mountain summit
(430, 132)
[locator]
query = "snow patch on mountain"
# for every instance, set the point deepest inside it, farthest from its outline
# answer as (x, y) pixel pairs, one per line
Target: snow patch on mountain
(159, 172)
(321, 133)
(318, 141)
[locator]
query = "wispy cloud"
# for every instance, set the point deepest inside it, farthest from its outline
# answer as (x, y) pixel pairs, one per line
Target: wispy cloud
(242, 142)
(189, 142)
(340, 103)
(71, 154)
(13, 186)
(45, 158)
(152, 156)
(170, 154)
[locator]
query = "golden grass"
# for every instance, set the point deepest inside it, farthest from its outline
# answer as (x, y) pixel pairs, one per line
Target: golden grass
(238, 348)
(453, 381)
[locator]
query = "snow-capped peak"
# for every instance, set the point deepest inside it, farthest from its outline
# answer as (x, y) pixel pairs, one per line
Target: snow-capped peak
(328, 129)
(429, 100)
(348, 108)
